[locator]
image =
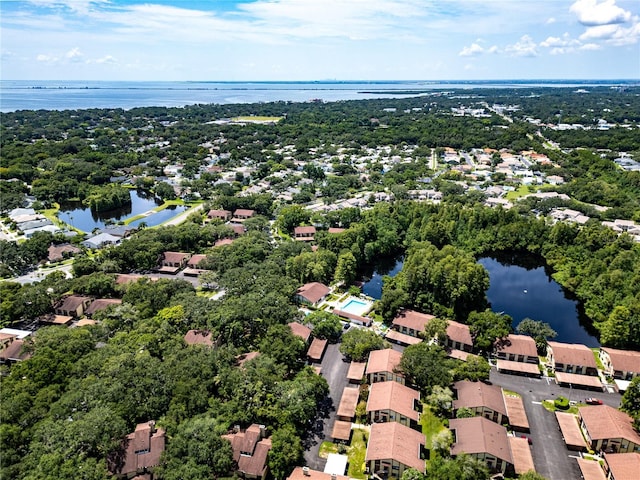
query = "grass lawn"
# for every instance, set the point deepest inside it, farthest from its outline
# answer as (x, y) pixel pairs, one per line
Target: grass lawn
(256, 119)
(326, 448)
(521, 191)
(549, 405)
(431, 424)
(357, 453)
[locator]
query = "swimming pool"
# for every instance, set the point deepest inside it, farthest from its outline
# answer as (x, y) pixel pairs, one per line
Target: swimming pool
(356, 306)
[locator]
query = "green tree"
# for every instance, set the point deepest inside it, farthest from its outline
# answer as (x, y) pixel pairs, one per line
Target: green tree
(540, 331)
(631, 401)
(426, 366)
(286, 452)
(474, 368)
(358, 342)
(197, 449)
(292, 216)
(531, 475)
(486, 327)
(347, 268)
(165, 191)
(440, 399)
(325, 325)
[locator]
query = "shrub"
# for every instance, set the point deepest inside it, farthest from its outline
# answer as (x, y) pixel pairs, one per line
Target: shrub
(561, 403)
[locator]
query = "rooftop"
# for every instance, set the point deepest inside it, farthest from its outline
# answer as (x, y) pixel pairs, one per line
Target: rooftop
(518, 345)
(393, 396)
(624, 360)
(313, 292)
(478, 435)
(412, 319)
(623, 466)
(395, 441)
(604, 422)
(386, 360)
(572, 354)
(479, 394)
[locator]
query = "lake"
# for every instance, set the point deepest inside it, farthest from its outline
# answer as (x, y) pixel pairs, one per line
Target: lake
(519, 287)
(82, 217)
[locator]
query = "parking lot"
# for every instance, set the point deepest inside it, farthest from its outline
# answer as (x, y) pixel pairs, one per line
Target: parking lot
(551, 457)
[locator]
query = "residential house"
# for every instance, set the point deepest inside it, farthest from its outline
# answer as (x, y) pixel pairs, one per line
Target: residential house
(172, 262)
(73, 305)
(304, 234)
(393, 402)
(101, 304)
(483, 439)
(101, 240)
(199, 337)
(142, 451)
(224, 215)
(407, 327)
(394, 448)
(517, 354)
(11, 348)
(574, 364)
(482, 399)
(458, 337)
(193, 265)
(57, 253)
(383, 366)
(620, 364)
(335, 230)
(250, 450)
(608, 429)
(622, 466)
(312, 293)
(301, 331)
(241, 214)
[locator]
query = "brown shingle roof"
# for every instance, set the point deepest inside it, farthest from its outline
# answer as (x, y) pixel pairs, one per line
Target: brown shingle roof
(316, 349)
(198, 337)
(393, 396)
(14, 352)
(392, 440)
(518, 345)
(56, 252)
(478, 435)
(348, 402)
(195, 260)
(479, 394)
(521, 454)
(386, 360)
(300, 330)
(246, 357)
(304, 230)
(529, 368)
(603, 422)
(72, 302)
(242, 212)
(356, 371)
(516, 412)
(591, 469)
(224, 214)
(577, 379)
(572, 354)
(250, 450)
(148, 442)
(341, 430)
(623, 360)
(459, 332)
(102, 304)
(412, 319)
(336, 230)
(313, 292)
(175, 257)
(403, 338)
(623, 466)
(570, 429)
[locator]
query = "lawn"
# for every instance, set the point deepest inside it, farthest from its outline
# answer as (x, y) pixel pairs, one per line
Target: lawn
(256, 119)
(357, 453)
(431, 424)
(326, 448)
(521, 191)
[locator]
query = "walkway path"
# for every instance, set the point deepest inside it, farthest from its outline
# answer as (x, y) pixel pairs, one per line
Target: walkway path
(178, 219)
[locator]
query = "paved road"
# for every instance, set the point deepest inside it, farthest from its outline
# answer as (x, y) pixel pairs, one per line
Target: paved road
(550, 455)
(40, 274)
(178, 219)
(334, 369)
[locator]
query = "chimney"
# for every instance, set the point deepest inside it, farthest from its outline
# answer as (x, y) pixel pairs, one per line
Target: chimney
(263, 431)
(236, 429)
(305, 471)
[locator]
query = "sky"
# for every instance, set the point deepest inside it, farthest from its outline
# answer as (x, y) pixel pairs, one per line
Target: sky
(298, 40)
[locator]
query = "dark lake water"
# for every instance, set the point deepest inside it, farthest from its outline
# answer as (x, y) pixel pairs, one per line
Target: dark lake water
(521, 288)
(82, 217)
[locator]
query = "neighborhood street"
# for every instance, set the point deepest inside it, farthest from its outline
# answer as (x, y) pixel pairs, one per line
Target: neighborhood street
(551, 457)
(334, 370)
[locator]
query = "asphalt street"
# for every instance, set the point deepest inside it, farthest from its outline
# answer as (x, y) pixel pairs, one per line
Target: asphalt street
(334, 370)
(551, 457)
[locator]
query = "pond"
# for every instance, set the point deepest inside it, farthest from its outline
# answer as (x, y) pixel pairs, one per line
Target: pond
(82, 217)
(519, 287)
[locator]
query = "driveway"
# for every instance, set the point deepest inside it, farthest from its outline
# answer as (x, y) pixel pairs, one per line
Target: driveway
(551, 457)
(334, 370)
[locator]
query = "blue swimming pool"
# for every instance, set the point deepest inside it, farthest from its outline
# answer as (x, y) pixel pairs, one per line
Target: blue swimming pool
(356, 306)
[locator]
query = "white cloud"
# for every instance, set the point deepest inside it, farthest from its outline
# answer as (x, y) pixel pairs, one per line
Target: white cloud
(106, 59)
(565, 41)
(591, 12)
(616, 35)
(525, 47)
(550, 20)
(473, 49)
(74, 55)
(47, 59)
(493, 49)
(590, 46)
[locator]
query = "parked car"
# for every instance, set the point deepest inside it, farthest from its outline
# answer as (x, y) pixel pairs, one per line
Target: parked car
(593, 401)
(528, 439)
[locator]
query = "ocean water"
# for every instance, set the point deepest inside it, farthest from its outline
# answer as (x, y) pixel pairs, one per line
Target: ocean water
(74, 95)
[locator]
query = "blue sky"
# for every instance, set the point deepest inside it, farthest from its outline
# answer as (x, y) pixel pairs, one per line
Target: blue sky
(319, 39)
